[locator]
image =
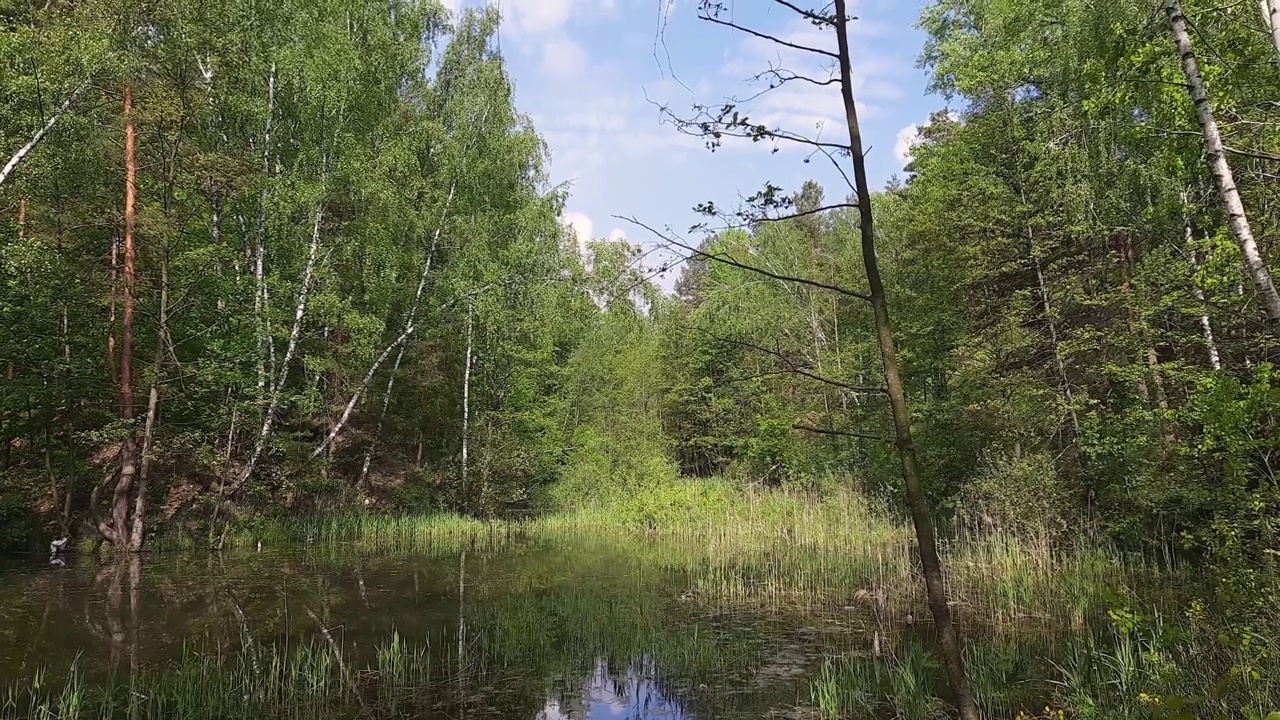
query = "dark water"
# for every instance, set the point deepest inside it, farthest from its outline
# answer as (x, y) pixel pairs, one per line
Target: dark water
(537, 630)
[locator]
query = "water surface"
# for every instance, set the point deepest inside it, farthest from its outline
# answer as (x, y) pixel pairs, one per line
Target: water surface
(538, 630)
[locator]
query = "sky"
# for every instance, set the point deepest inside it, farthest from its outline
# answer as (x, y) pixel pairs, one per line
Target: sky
(591, 74)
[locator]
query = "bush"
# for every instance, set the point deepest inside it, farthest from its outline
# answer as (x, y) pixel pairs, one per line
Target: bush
(1021, 495)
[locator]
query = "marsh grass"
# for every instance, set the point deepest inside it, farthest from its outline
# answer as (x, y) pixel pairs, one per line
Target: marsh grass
(307, 680)
(1039, 616)
(767, 547)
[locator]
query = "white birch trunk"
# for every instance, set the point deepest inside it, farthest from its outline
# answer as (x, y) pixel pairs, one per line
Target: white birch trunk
(36, 139)
(1206, 324)
(355, 397)
(466, 399)
(260, 299)
(137, 537)
(278, 384)
(1271, 20)
(413, 311)
(1221, 170)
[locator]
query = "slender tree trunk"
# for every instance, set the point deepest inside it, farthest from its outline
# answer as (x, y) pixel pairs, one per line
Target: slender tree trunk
(395, 367)
(130, 257)
(1051, 320)
(129, 447)
(1155, 393)
(55, 500)
(1271, 20)
(66, 333)
(364, 384)
(137, 536)
(466, 399)
(25, 150)
(112, 368)
(1206, 324)
(295, 334)
(948, 639)
(1221, 170)
(1134, 324)
(231, 441)
(261, 300)
(6, 438)
(6, 432)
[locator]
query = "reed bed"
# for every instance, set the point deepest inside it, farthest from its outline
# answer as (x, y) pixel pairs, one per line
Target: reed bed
(308, 680)
(1044, 641)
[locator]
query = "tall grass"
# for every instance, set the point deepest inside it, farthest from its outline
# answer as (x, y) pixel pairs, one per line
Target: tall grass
(1040, 618)
(307, 680)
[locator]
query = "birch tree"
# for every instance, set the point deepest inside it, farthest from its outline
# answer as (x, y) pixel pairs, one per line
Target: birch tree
(1237, 220)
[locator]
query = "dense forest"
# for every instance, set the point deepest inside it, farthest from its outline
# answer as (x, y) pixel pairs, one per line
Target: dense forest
(297, 257)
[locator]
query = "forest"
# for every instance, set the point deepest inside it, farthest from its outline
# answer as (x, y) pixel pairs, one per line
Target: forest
(295, 273)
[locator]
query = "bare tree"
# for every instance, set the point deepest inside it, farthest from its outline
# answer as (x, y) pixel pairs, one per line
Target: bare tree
(729, 120)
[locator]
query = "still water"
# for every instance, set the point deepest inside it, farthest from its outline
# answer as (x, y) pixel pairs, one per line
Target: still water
(537, 630)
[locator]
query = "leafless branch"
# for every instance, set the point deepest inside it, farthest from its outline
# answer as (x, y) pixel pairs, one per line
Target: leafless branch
(792, 367)
(726, 260)
(816, 17)
(840, 433)
(1256, 154)
(777, 77)
(747, 220)
(705, 124)
(764, 36)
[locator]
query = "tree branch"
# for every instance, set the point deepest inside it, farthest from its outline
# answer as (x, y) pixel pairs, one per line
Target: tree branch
(777, 79)
(725, 260)
(730, 24)
(817, 18)
(748, 219)
(705, 124)
(792, 367)
(840, 433)
(23, 151)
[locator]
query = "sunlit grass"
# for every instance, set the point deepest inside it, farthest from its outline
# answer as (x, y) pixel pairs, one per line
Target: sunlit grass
(1034, 613)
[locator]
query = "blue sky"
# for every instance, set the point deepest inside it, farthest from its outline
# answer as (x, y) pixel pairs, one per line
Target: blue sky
(586, 71)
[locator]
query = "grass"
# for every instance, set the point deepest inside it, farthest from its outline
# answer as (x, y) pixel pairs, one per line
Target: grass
(1052, 631)
(259, 680)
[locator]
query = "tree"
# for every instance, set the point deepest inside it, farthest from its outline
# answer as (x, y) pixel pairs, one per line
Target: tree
(1237, 220)
(716, 123)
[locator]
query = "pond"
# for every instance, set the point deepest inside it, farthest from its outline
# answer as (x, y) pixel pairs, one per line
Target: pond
(538, 629)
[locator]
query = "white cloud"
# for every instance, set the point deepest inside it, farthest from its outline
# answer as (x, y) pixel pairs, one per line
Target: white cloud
(617, 234)
(907, 139)
(536, 16)
(562, 58)
(581, 226)
(591, 126)
(542, 17)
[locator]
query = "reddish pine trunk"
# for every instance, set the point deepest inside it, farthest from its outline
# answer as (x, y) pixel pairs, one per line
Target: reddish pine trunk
(129, 448)
(130, 259)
